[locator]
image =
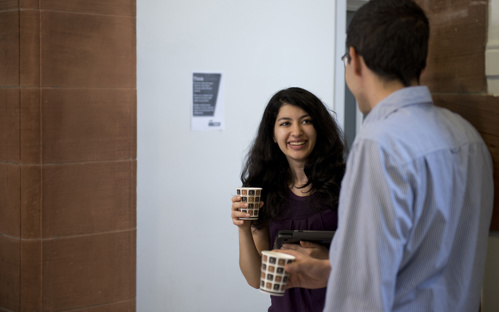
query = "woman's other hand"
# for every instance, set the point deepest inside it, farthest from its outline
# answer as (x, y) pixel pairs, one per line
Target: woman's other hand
(310, 249)
(237, 204)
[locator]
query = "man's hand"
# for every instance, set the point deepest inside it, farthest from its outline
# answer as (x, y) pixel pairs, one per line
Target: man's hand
(306, 272)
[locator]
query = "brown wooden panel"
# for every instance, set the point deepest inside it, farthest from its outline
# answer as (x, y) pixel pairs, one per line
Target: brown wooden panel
(113, 7)
(88, 124)
(126, 306)
(86, 271)
(482, 112)
(456, 61)
(9, 43)
(10, 125)
(31, 202)
(10, 258)
(30, 126)
(10, 210)
(9, 5)
(30, 48)
(87, 51)
(87, 198)
(31, 275)
(29, 4)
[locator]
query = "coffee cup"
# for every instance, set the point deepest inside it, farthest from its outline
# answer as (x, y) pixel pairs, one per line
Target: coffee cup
(251, 196)
(273, 277)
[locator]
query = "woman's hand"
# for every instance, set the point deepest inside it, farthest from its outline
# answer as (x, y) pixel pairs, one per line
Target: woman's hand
(237, 204)
(310, 249)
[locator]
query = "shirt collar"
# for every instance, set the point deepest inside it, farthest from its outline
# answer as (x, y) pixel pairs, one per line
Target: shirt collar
(398, 99)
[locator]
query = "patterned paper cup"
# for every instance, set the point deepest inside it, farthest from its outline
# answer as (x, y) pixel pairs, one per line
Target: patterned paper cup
(274, 278)
(252, 196)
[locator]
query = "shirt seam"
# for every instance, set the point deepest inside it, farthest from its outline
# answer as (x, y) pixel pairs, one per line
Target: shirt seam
(393, 162)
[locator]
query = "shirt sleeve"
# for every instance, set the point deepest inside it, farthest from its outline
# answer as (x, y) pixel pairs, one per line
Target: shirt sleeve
(375, 217)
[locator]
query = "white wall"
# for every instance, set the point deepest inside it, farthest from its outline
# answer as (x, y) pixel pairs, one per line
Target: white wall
(187, 252)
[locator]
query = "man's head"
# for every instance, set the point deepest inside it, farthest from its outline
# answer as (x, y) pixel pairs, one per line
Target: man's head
(392, 38)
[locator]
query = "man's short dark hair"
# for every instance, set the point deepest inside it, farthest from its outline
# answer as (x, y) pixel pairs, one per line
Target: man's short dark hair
(392, 37)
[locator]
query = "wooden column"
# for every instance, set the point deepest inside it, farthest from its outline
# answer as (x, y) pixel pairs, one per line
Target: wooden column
(67, 155)
(456, 71)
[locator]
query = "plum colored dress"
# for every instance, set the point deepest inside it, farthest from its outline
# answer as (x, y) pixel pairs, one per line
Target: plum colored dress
(302, 213)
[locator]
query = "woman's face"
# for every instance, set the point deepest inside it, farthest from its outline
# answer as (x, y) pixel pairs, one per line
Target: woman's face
(295, 134)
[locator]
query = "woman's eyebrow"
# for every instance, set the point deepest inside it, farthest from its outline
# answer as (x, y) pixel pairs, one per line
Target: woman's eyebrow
(289, 118)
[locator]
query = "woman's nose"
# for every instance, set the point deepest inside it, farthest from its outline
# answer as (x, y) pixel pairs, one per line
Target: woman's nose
(297, 130)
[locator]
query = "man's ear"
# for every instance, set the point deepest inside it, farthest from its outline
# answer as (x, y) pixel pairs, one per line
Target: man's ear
(356, 61)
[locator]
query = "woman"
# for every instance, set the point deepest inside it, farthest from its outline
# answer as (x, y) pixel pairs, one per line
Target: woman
(297, 158)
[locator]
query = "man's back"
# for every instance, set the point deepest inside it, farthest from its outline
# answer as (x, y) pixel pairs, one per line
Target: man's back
(416, 202)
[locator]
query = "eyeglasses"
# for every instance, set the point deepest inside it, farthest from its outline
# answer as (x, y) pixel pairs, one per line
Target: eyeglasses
(345, 58)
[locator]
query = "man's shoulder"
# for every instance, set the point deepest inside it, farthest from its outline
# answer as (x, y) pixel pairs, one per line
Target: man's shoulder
(414, 131)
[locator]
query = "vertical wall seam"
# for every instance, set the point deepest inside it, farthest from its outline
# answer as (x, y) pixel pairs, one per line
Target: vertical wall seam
(20, 159)
(41, 148)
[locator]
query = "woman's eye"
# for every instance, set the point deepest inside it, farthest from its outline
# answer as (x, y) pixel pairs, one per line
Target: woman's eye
(284, 123)
(307, 121)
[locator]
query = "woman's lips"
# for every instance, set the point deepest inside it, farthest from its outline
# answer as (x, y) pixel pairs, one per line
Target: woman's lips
(297, 144)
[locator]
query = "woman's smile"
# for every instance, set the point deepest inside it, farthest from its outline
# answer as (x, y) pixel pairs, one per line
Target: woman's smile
(297, 145)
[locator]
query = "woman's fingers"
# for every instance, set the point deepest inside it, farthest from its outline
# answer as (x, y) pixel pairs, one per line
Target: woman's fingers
(238, 222)
(294, 247)
(309, 244)
(236, 198)
(237, 206)
(236, 214)
(309, 249)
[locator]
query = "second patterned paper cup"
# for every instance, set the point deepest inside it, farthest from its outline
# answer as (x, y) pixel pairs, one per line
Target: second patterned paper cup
(273, 277)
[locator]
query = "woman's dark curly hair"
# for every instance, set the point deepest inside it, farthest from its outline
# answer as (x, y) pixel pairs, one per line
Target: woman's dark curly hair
(266, 166)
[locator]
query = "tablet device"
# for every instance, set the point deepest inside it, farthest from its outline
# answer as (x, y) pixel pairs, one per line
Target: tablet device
(295, 236)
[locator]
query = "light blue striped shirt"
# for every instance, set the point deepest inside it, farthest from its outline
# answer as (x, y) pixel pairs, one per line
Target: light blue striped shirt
(414, 213)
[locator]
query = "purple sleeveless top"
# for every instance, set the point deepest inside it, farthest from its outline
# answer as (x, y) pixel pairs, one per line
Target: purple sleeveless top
(298, 214)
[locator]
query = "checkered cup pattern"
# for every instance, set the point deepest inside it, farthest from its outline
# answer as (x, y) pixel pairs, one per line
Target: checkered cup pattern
(273, 277)
(252, 196)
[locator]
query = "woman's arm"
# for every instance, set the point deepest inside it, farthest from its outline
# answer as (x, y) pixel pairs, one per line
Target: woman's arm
(251, 244)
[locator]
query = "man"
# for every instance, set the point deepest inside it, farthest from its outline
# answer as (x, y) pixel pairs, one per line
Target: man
(416, 200)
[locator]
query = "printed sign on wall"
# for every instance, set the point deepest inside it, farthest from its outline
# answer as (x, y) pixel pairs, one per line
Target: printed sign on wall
(207, 102)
